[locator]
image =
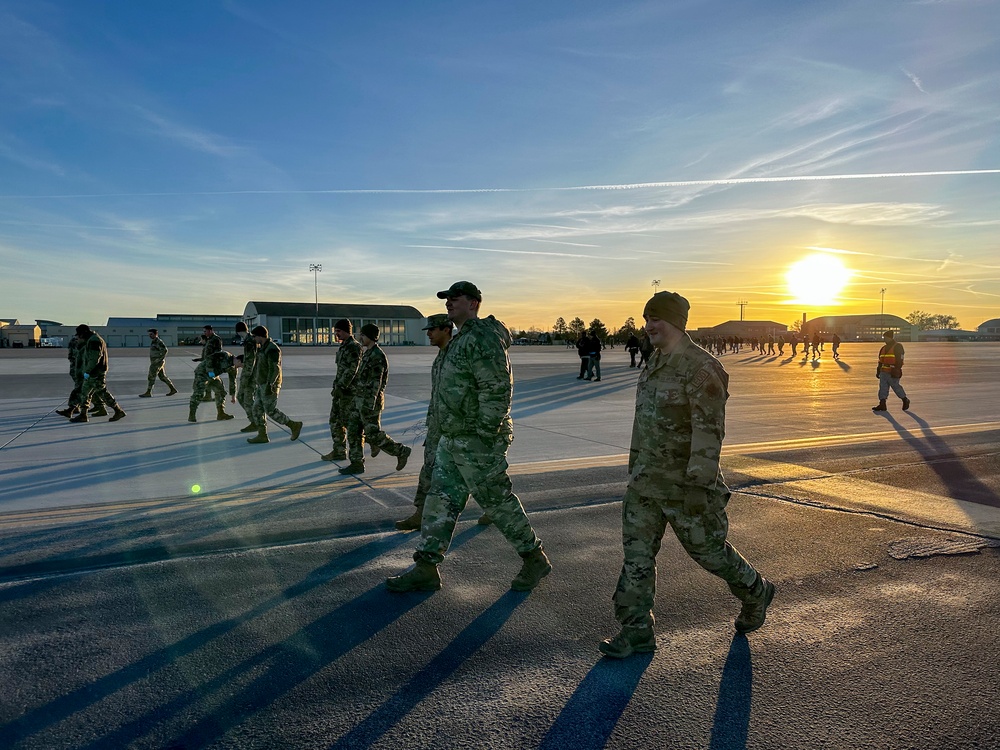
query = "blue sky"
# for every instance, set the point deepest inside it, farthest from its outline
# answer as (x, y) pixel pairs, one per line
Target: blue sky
(191, 156)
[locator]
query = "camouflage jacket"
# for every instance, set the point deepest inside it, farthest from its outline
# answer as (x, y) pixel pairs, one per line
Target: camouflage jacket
(267, 365)
(157, 351)
(373, 374)
(348, 360)
(249, 354)
(475, 383)
(224, 362)
(75, 356)
(94, 359)
(212, 345)
(433, 427)
(680, 422)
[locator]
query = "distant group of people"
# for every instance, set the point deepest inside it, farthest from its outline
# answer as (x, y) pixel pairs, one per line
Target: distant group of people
(770, 344)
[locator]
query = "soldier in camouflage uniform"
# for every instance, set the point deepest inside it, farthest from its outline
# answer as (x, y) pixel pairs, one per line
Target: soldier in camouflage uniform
(345, 425)
(472, 408)
(222, 362)
(674, 478)
(157, 358)
(246, 390)
(439, 330)
(369, 401)
(211, 343)
(75, 356)
(94, 366)
(267, 379)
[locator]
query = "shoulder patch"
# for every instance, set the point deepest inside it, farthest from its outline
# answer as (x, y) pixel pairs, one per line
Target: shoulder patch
(700, 378)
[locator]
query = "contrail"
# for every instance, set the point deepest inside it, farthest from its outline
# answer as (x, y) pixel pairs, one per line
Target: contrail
(557, 189)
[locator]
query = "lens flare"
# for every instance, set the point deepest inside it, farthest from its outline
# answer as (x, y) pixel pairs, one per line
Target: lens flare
(195, 489)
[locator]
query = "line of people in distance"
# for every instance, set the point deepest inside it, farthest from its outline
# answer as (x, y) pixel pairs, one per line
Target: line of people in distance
(765, 345)
(674, 475)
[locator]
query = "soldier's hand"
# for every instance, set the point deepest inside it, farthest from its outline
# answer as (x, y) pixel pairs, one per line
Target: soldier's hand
(233, 400)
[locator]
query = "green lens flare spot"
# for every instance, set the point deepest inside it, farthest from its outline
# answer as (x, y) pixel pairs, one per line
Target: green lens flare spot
(195, 489)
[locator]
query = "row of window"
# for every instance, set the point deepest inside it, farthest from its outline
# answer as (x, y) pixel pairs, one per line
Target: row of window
(301, 331)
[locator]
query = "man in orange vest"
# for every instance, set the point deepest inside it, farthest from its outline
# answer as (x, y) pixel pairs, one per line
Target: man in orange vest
(889, 371)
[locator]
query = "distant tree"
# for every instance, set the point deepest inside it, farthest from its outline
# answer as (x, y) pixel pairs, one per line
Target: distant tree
(923, 321)
(797, 325)
(919, 320)
(577, 327)
(949, 322)
(628, 329)
(560, 329)
(596, 326)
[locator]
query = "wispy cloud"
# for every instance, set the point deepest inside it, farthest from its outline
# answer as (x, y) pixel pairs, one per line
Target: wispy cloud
(916, 81)
(197, 140)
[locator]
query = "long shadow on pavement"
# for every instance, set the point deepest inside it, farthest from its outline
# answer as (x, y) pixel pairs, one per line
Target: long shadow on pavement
(962, 483)
(282, 666)
(593, 711)
(732, 711)
(440, 668)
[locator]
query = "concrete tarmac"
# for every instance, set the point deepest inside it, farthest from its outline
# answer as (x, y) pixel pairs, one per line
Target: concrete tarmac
(135, 612)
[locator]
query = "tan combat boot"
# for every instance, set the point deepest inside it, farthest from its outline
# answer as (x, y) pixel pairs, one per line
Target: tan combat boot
(261, 436)
(423, 576)
(535, 567)
(296, 428)
(221, 414)
(629, 641)
(754, 610)
(411, 523)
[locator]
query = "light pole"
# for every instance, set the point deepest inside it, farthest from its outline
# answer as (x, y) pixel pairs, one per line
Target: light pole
(881, 313)
(656, 285)
(315, 268)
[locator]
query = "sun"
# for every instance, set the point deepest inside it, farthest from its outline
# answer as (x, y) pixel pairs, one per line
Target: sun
(817, 280)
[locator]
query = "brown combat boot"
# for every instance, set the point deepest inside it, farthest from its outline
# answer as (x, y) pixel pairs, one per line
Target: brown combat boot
(629, 641)
(334, 456)
(172, 391)
(119, 414)
(251, 428)
(355, 467)
(401, 459)
(423, 576)
(535, 567)
(484, 520)
(296, 428)
(261, 436)
(99, 411)
(193, 413)
(68, 412)
(221, 415)
(881, 406)
(81, 417)
(754, 610)
(412, 523)
(147, 394)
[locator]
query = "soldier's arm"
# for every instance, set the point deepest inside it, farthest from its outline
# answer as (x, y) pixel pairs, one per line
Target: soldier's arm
(347, 370)
(707, 396)
(492, 378)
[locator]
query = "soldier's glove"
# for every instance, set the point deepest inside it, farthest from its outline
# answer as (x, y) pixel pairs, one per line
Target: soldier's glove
(211, 374)
(878, 371)
(86, 376)
(896, 372)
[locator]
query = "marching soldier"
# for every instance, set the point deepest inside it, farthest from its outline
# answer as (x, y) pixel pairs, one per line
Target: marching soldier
(157, 359)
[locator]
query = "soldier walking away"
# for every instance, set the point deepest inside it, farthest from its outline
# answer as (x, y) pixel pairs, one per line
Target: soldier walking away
(369, 401)
(220, 363)
(212, 343)
(674, 478)
(439, 330)
(472, 407)
(345, 426)
(94, 366)
(75, 356)
(583, 350)
(245, 388)
(836, 346)
(645, 348)
(632, 347)
(267, 381)
(888, 371)
(157, 359)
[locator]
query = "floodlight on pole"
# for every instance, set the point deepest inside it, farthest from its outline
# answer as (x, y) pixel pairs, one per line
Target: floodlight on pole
(881, 314)
(656, 285)
(315, 268)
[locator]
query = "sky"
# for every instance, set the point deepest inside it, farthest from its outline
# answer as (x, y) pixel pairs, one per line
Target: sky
(569, 157)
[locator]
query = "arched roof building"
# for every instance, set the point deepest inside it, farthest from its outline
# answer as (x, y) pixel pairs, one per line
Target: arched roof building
(309, 324)
(859, 327)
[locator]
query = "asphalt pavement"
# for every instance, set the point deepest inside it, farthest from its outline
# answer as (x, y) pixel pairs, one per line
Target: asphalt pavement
(166, 585)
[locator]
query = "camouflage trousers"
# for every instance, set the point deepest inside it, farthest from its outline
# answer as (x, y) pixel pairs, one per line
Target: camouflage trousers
(265, 404)
(464, 465)
(427, 470)
(370, 421)
(203, 383)
(95, 389)
(75, 395)
(157, 370)
(703, 536)
(245, 391)
(346, 428)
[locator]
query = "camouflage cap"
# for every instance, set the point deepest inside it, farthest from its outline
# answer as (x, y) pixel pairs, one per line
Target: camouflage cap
(437, 321)
(459, 288)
